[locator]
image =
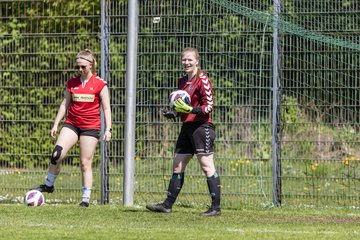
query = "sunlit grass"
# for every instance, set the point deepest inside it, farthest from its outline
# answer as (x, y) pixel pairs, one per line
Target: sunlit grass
(118, 222)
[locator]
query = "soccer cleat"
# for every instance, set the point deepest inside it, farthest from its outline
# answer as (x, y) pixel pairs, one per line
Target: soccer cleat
(84, 204)
(158, 208)
(212, 212)
(44, 188)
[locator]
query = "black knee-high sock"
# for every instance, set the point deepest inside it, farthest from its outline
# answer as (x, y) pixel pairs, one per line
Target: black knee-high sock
(215, 190)
(175, 185)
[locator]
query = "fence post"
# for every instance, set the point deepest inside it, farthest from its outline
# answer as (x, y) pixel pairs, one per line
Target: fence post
(130, 106)
(276, 106)
(104, 73)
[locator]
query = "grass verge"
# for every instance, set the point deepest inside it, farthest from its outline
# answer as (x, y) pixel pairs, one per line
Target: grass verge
(118, 222)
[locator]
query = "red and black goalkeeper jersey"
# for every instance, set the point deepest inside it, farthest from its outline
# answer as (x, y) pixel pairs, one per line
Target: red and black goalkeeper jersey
(201, 94)
(84, 109)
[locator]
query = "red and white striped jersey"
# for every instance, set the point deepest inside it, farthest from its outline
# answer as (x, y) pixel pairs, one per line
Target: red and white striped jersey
(201, 94)
(84, 109)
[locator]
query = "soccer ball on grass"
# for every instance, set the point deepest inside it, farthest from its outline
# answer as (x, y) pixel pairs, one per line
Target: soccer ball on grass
(34, 198)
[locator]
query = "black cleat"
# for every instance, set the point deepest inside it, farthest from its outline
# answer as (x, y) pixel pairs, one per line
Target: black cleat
(212, 212)
(84, 204)
(44, 188)
(158, 208)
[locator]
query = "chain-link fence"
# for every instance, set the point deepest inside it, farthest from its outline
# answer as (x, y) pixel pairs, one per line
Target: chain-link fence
(317, 139)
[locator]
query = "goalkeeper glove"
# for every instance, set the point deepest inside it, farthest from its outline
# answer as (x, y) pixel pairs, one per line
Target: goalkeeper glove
(168, 114)
(181, 106)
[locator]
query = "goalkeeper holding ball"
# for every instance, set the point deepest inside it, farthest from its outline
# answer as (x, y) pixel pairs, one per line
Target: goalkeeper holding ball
(196, 136)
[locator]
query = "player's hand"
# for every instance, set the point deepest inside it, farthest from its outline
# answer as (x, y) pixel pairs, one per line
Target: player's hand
(107, 136)
(168, 114)
(181, 106)
(53, 132)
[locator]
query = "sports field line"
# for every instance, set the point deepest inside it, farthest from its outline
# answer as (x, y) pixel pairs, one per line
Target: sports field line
(239, 230)
(285, 231)
(61, 226)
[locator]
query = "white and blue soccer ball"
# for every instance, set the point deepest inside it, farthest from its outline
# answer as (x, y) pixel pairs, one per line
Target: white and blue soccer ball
(175, 95)
(34, 198)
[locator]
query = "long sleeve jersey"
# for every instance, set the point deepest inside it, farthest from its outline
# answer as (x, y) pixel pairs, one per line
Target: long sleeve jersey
(201, 94)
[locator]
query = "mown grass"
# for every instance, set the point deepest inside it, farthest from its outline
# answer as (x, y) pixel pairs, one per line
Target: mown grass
(117, 222)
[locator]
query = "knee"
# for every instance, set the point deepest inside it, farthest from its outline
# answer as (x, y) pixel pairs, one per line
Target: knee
(208, 170)
(56, 154)
(179, 168)
(86, 165)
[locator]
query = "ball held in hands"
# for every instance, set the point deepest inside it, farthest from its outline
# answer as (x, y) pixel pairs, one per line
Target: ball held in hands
(179, 94)
(181, 106)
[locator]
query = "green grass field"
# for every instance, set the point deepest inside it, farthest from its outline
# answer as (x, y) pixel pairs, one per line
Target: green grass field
(117, 222)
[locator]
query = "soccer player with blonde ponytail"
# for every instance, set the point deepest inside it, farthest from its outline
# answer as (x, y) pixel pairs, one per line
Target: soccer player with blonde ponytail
(84, 95)
(196, 136)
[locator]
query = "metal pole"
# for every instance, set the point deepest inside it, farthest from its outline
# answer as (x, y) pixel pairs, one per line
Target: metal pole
(104, 74)
(130, 106)
(275, 105)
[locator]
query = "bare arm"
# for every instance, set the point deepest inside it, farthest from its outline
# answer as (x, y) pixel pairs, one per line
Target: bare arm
(61, 112)
(105, 103)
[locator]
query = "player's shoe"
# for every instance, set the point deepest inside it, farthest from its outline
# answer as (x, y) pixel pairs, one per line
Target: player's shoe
(84, 204)
(158, 208)
(44, 188)
(212, 212)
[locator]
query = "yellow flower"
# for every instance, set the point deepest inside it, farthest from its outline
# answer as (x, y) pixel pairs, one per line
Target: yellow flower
(314, 166)
(347, 160)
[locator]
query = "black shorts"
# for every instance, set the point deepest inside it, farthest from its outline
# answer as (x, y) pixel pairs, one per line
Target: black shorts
(196, 138)
(93, 132)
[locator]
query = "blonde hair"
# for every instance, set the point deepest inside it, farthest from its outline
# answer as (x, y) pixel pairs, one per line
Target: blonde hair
(194, 50)
(87, 55)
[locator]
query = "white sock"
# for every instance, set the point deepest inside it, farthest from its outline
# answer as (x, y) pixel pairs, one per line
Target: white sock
(86, 192)
(50, 179)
